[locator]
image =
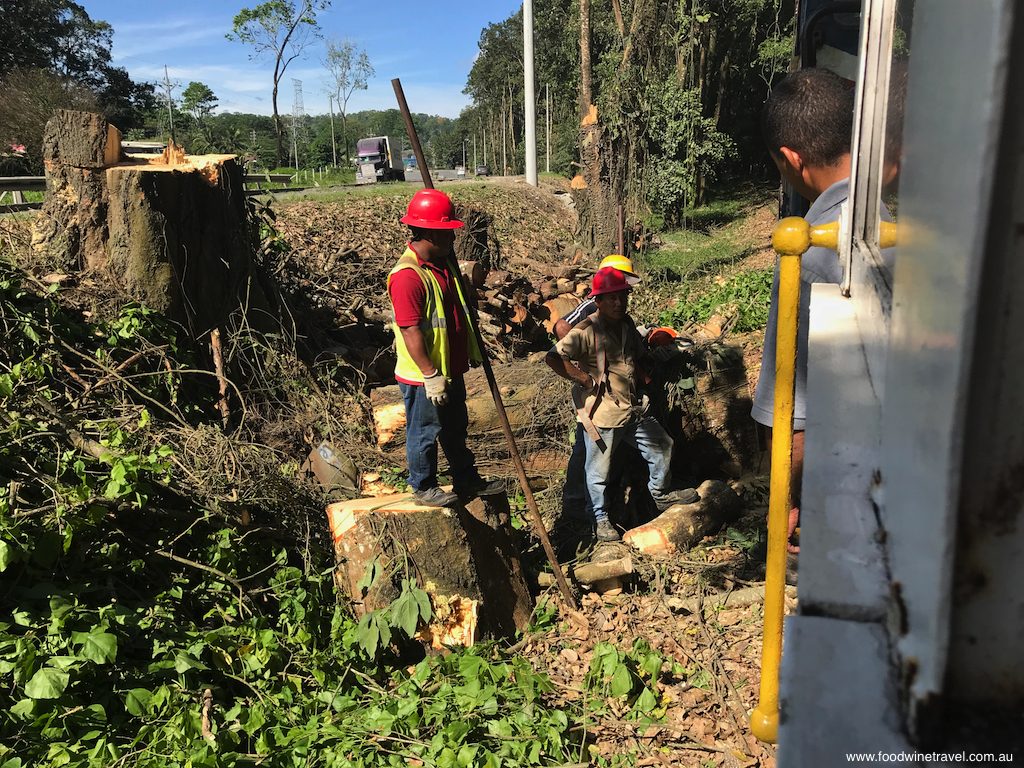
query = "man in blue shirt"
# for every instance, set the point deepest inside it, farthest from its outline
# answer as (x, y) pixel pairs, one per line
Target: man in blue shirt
(807, 124)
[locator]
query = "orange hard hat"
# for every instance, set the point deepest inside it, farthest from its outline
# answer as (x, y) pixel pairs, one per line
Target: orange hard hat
(661, 336)
(431, 209)
(608, 280)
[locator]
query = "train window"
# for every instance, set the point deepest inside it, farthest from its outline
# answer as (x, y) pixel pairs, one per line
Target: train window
(877, 139)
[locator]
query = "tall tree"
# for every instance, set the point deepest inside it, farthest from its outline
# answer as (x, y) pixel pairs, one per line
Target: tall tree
(59, 36)
(199, 101)
(350, 70)
(282, 29)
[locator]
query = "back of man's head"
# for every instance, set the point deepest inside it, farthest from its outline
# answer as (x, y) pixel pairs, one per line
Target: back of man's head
(811, 112)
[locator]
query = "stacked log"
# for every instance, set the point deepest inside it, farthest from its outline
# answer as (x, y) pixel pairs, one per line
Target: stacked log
(518, 310)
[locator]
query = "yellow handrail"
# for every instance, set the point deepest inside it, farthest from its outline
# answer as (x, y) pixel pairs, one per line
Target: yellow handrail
(791, 238)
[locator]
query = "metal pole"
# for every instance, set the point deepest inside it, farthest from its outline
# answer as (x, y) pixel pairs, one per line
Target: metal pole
(547, 127)
(170, 112)
(517, 461)
(792, 236)
(529, 96)
(414, 137)
(334, 146)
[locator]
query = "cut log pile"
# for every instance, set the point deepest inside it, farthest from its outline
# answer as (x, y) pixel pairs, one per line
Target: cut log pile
(518, 313)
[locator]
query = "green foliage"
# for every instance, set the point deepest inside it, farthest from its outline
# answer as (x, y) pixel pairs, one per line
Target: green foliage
(58, 39)
(141, 626)
(748, 292)
(198, 100)
(688, 145)
(632, 676)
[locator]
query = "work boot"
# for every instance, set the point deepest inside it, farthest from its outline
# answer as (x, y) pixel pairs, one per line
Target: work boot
(606, 532)
(481, 487)
(684, 496)
(436, 497)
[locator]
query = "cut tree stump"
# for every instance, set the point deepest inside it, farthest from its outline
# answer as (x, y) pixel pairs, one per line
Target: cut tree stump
(683, 525)
(170, 231)
(465, 558)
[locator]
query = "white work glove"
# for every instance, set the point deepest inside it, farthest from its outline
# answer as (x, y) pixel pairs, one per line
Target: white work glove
(436, 387)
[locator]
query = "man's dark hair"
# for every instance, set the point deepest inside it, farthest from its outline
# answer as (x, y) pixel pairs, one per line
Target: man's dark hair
(811, 112)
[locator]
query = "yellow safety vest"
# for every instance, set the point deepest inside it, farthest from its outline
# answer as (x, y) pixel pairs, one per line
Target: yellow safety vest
(433, 325)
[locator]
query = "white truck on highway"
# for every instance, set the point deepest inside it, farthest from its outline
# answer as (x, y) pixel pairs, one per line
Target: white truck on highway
(379, 158)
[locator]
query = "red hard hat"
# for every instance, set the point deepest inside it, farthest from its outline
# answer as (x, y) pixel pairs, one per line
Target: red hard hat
(608, 280)
(431, 209)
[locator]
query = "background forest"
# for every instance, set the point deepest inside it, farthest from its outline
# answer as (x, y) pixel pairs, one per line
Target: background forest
(675, 83)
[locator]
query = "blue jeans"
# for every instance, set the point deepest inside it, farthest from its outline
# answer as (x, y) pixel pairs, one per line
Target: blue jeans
(654, 444)
(426, 425)
(575, 495)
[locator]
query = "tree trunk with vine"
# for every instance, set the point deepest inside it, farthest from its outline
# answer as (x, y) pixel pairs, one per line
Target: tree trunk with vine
(595, 202)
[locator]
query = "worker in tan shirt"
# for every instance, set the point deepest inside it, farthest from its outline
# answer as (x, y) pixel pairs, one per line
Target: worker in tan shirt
(601, 357)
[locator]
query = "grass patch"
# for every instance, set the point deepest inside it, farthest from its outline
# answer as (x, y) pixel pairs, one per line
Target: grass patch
(716, 235)
(747, 295)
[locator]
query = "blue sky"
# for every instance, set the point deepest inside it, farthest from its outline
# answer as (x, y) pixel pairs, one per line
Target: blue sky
(430, 46)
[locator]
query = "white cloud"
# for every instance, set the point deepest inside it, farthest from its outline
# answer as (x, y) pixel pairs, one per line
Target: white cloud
(147, 39)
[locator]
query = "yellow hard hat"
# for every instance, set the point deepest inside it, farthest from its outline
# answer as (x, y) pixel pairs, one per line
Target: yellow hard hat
(622, 264)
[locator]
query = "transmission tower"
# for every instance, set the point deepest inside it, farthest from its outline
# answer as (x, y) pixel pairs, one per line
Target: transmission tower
(298, 119)
(169, 86)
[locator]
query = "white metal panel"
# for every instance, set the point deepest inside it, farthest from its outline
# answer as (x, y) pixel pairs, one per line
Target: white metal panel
(837, 695)
(987, 654)
(842, 572)
(954, 112)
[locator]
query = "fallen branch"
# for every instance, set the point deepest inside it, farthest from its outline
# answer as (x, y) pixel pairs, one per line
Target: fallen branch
(740, 598)
(222, 383)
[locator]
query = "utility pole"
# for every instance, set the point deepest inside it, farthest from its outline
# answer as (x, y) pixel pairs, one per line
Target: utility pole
(298, 110)
(529, 96)
(334, 146)
(463, 155)
(547, 127)
(168, 89)
(475, 161)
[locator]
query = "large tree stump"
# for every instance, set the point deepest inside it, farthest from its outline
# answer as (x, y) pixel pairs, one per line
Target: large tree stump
(683, 525)
(465, 558)
(72, 229)
(170, 231)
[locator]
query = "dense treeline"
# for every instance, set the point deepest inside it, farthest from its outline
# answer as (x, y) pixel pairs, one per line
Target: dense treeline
(252, 136)
(672, 88)
(54, 55)
(676, 84)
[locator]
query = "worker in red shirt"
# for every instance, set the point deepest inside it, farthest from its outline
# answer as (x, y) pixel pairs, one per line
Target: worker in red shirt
(434, 345)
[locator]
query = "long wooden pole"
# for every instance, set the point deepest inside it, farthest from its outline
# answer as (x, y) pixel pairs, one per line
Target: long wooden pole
(517, 460)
